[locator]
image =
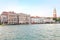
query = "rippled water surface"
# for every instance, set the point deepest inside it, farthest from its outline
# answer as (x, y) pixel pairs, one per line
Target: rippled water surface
(30, 32)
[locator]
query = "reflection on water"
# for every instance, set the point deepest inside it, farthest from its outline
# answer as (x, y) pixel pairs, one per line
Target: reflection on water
(30, 32)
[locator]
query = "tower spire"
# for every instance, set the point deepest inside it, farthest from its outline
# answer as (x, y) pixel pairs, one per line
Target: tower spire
(54, 13)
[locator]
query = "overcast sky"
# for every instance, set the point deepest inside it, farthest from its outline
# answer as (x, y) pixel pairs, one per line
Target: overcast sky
(32, 7)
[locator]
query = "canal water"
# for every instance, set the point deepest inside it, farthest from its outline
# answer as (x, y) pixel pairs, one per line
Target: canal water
(30, 32)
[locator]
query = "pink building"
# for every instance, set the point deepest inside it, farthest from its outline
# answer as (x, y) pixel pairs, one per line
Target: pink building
(11, 17)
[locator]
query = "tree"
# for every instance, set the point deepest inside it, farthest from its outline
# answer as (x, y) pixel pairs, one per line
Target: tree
(58, 19)
(55, 19)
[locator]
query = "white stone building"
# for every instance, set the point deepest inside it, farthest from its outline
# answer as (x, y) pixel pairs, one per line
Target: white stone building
(48, 20)
(42, 20)
(35, 20)
(23, 18)
(12, 18)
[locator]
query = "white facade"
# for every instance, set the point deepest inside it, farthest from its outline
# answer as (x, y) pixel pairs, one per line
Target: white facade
(12, 18)
(4, 19)
(41, 20)
(23, 18)
(35, 20)
(48, 20)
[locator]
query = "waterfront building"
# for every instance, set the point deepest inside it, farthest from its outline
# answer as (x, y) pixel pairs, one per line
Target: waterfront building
(35, 19)
(4, 19)
(48, 20)
(42, 19)
(0, 19)
(23, 18)
(11, 17)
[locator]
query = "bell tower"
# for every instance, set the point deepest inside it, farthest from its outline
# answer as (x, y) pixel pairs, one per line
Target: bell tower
(54, 13)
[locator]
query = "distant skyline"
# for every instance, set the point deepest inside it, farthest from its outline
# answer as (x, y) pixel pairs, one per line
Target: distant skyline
(32, 7)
